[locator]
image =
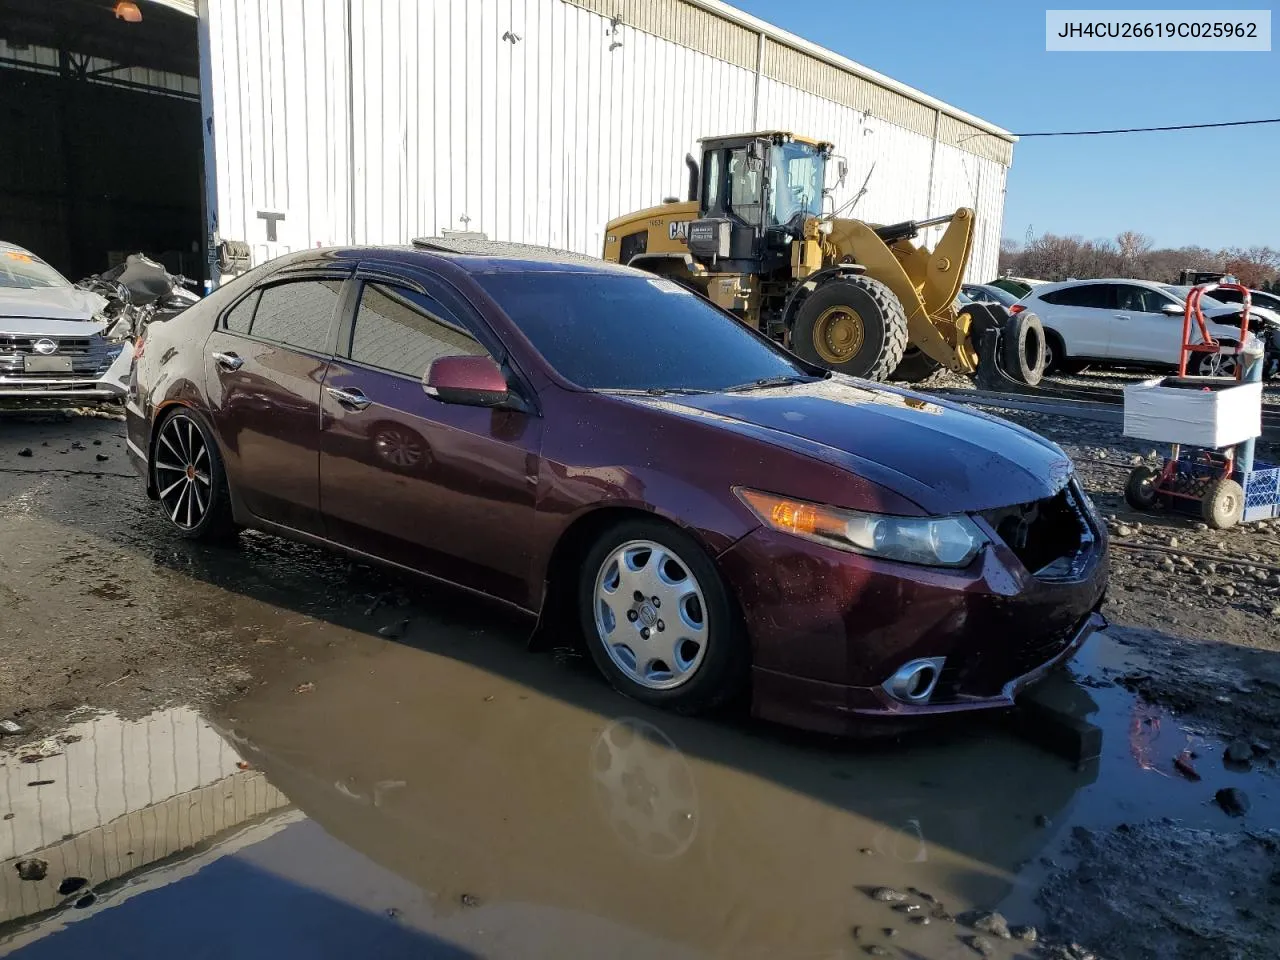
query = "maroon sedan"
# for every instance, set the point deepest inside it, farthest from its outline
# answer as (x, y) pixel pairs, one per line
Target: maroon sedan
(565, 435)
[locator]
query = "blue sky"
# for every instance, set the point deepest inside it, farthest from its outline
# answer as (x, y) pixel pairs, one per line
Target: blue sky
(1209, 187)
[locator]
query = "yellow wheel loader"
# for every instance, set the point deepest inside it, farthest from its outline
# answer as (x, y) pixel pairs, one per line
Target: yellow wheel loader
(755, 238)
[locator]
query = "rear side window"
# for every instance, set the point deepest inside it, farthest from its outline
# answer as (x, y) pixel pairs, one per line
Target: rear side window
(240, 317)
(297, 313)
(1140, 299)
(403, 331)
(1096, 295)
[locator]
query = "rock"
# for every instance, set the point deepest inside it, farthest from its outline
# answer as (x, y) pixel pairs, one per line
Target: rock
(25, 452)
(867, 852)
(988, 922)
(307, 687)
(97, 443)
(890, 932)
(910, 909)
(1173, 541)
(1238, 752)
(922, 895)
(920, 921)
(1027, 934)
(1135, 461)
(77, 445)
(1202, 527)
(1233, 801)
(857, 933)
(1228, 591)
(1167, 565)
(888, 895)
(872, 950)
(1275, 612)
(1260, 747)
(70, 885)
(102, 458)
(32, 868)
(1210, 567)
(1124, 530)
(469, 900)
(394, 630)
(979, 945)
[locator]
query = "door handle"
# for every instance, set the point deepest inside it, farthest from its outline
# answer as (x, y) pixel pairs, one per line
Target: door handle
(353, 399)
(228, 361)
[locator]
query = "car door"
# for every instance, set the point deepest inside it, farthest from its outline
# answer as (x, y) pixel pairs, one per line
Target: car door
(1082, 316)
(1143, 331)
(265, 364)
(442, 488)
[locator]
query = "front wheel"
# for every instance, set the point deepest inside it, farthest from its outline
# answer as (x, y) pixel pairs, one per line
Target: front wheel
(658, 620)
(853, 325)
(1218, 364)
(1223, 504)
(1140, 491)
(190, 483)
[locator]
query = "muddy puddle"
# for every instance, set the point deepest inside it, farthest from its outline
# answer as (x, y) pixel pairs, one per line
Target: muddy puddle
(461, 798)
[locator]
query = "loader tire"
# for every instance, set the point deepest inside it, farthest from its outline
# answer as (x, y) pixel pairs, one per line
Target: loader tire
(916, 367)
(853, 325)
(1023, 348)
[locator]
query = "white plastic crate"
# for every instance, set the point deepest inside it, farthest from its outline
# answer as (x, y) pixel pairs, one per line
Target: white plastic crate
(1212, 418)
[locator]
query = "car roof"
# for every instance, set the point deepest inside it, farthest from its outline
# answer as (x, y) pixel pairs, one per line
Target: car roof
(13, 247)
(469, 255)
(1059, 285)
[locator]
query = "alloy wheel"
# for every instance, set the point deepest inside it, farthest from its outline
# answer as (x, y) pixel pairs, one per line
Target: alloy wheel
(650, 614)
(183, 471)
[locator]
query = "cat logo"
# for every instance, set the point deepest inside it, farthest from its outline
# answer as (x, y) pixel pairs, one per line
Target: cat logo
(678, 230)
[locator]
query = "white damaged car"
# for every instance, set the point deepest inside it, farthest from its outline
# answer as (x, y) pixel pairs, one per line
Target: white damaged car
(54, 340)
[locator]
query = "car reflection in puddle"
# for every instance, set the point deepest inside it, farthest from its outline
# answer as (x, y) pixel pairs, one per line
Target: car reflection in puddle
(416, 804)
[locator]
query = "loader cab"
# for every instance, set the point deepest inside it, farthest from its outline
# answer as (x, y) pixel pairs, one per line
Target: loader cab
(755, 192)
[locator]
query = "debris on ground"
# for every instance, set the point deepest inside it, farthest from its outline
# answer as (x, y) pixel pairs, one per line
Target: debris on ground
(304, 687)
(986, 921)
(393, 631)
(469, 900)
(32, 868)
(1238, 752)
(1182, 763)
(1195, 892)
(1233, 801)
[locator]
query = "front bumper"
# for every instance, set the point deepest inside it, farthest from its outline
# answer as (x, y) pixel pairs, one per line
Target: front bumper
(828, 628)
(108, 385)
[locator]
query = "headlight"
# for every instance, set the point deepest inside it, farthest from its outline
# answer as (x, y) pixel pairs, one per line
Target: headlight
(931, 541)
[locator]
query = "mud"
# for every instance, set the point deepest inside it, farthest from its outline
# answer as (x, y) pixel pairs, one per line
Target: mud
(269, 750)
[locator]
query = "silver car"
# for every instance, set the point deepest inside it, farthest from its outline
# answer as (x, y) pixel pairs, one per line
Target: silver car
(53, 338)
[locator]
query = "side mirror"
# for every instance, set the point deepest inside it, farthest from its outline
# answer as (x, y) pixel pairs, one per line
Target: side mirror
(469, 381)
(1173, 309)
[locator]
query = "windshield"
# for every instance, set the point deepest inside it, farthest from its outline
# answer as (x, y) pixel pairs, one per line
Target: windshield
(27, 271)
(619, 332)
(796, 175)
(1183, 292)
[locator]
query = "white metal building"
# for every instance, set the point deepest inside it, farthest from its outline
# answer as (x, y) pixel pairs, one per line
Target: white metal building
(376, 121)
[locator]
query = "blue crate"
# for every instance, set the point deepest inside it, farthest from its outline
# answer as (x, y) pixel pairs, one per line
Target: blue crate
(1262, 492)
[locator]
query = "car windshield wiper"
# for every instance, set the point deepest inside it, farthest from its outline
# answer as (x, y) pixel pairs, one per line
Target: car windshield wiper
(651, 391)
(766, 382)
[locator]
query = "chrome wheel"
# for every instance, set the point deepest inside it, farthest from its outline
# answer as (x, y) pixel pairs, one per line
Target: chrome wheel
(1218, 364)
(650, 614)
(184, 479)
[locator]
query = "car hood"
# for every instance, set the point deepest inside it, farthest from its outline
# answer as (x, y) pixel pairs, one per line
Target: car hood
(942, 457)
(47, 303)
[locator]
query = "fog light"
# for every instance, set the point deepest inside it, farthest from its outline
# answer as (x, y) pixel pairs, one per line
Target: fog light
(915, 682)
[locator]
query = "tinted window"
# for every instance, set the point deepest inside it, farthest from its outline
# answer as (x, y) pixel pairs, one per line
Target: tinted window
(1097, 295)
(611, 332)
(1229, 296)
(404, 331)
(745, 180)
(240, 317)
(1140, 299)
(297, 314)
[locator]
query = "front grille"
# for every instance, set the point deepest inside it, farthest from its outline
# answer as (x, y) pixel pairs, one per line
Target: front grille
(90, 356)
(1053, 538)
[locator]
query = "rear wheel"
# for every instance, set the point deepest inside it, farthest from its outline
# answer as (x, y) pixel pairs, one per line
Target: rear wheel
(1140, 489)
(658, 620)
(853, 325)
(190, 483)
(1222, 505)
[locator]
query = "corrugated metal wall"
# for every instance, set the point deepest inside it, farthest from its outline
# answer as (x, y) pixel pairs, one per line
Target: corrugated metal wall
(536, 120)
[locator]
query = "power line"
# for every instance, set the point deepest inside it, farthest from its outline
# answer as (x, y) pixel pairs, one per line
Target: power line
(1181, 126)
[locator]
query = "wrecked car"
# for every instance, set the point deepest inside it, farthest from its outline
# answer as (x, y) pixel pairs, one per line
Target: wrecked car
(600, 448)
(55, 341)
